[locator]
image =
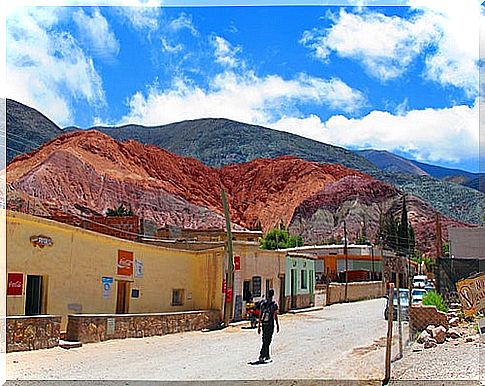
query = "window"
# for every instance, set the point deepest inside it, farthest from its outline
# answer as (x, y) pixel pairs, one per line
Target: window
(256, 286)
(304, 279)
(178, 297)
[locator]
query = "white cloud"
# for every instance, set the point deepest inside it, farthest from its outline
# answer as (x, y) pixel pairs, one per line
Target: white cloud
(96, 32)
(387, 45)
(224, 52)
(455, 60)
(171, 49)
(184, 21)
(141, 18)
(243, 97)
(46, 67)
(448, 134)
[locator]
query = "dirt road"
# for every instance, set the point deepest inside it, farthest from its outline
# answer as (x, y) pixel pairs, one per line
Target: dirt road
(343, 341)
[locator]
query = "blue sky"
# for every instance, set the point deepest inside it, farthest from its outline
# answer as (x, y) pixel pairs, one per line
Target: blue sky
(404, 79)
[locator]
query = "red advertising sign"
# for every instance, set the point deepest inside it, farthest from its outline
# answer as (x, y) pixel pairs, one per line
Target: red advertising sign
(125, 263)
(237, 263)
(15, 283)
(228, 295)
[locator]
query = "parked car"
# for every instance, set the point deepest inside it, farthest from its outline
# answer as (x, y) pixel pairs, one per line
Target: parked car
(417, 295)
(419, 281)
(404, 297)
(428, 288)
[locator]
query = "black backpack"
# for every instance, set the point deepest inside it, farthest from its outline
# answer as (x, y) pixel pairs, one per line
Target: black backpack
(268, 309)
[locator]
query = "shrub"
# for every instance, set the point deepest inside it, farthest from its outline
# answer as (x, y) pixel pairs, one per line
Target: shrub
(433, 298)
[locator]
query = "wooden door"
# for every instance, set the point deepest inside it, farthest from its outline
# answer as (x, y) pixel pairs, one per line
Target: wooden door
(122, 297)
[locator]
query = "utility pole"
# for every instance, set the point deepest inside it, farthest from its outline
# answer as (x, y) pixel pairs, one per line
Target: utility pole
(228, 299)
(439, 240)
(399, 321)
(346, 253)
(372, 254)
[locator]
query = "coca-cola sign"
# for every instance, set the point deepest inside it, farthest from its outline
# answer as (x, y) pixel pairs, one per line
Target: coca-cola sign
(15, 283)
(41, 241)
(125, 263)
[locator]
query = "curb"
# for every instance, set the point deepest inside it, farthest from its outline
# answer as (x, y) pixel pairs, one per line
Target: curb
(305, 310)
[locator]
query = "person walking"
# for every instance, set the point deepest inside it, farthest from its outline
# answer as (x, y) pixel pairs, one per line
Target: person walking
(267, 319)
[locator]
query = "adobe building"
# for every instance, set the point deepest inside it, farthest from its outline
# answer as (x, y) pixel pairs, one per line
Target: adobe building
(58, 269)
(256, 271)
(299, 280)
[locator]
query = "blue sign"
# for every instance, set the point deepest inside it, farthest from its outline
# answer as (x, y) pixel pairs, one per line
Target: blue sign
(107, 282)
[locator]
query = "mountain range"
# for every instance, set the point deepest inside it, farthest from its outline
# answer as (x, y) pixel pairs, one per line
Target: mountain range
(218, 142)
(87, 171)
(390, 162)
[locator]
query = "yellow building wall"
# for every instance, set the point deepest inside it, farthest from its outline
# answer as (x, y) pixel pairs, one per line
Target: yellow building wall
(73, 267)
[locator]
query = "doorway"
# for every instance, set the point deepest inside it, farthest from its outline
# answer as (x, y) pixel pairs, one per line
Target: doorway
(122, 299)
(33, 295)
(282, 294)
(293, 288)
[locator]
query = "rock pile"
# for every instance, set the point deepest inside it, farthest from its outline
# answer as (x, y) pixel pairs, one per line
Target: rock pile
(459, 331)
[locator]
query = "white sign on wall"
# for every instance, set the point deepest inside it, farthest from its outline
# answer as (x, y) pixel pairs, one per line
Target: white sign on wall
(138, 268)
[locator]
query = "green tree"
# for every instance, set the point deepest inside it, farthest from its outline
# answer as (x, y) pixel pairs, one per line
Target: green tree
(446, 250)
(403, 230)
(120, 211)
(279, 239)
(397, 235)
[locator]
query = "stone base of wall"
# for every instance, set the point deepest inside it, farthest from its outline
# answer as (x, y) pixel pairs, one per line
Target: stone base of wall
(26, 333)
(421, 317)
(302, 301)
(97, 328)
(355, 291)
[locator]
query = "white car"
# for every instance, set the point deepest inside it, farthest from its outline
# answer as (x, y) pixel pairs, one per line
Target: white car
(417, 295)
(419, 281)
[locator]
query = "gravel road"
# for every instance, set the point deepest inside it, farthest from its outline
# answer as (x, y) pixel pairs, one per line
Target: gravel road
(454, 362)
(318, 344)
(340, 342)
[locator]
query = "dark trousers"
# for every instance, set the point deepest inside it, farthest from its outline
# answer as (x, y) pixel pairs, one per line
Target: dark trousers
(268, 330)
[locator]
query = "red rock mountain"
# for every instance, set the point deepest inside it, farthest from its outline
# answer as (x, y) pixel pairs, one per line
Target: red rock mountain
(89, 171)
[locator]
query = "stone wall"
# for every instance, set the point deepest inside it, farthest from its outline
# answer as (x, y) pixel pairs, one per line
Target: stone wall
(421, 317)
(124, 227)
(96, 328)
(32, 332)
(355, 291)
(302, 301)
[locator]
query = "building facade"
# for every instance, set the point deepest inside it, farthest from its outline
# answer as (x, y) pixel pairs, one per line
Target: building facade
(54, 268)
(299, 281)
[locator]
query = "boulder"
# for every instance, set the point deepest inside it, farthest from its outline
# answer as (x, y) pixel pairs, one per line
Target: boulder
(453, 322)
(439, 334)
(423, 336)
(430, 329)
(430, 343)
(453, 333)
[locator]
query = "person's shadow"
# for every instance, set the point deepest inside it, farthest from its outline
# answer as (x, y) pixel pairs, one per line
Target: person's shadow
(258, 362)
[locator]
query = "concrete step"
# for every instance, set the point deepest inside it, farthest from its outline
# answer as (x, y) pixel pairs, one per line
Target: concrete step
(67, 344)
